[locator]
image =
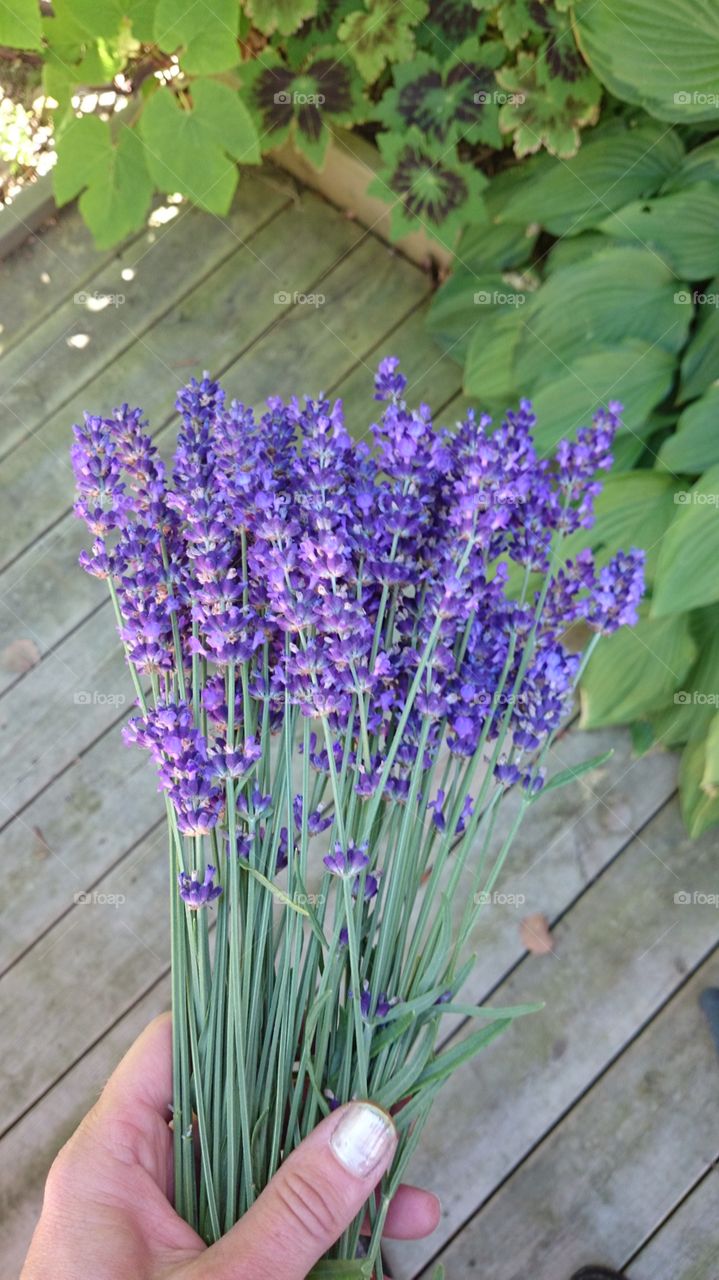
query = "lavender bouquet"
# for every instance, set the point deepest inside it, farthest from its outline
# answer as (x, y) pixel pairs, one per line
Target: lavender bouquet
(340, 692)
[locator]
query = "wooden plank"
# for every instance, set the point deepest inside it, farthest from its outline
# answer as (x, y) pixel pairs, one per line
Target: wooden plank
(43, 595)
(32, 206)
(619, 953)
(615, 1167)
(686, 1247)
(27, 1152)
(120, 302)
(221, 316)
(50, 265)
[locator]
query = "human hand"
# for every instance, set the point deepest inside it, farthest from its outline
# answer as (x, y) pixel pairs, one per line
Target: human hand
(107, 1213)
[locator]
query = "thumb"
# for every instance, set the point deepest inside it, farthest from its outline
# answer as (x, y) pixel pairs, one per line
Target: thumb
(310, 1201)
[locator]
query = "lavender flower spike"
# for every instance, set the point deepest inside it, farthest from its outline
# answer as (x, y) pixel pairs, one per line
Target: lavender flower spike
(198, 894)
(347, 862)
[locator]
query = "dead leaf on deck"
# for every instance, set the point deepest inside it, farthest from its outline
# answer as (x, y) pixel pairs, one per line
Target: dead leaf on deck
(40, 847)
(535, 935)
(20, 655)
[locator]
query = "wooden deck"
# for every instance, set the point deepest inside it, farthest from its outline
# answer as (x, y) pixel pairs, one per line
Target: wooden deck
(589, 1132)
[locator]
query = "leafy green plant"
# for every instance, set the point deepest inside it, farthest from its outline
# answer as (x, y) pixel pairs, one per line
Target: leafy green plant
(622, 303)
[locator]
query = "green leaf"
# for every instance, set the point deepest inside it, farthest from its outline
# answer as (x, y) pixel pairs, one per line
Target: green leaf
(427, 185)
(106, 18)
(625, 293)
(660, 54)
(681, 228)
(189, 151)
(283, 16)
(489, 372)
(700, 362)
(469, 305)
(446, 1063)
(572, 249)
(111, 174)
(688, 567)
(455, 100)
(544, 110)
(331, 1270)
(636, 670)
(308, 103)
(699, 165)
(565, 776)
(636, 373)
(488, 246)
(438, 1273)
(691, 708)
(695, 443)
(380, 34)
(633, 509)
(614, 165)
(700, 809)
(274, 889)
(204, 33)
(20, 24)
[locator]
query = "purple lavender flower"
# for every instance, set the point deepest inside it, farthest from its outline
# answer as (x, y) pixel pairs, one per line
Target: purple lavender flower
(196, 893)
(347, 862)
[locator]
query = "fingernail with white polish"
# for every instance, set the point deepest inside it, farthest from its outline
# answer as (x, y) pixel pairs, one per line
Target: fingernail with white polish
(363, 1138)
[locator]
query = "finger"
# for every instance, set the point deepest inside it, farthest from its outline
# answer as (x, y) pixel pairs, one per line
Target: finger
(144, 1076)
(315, 1195)
(413, 1214)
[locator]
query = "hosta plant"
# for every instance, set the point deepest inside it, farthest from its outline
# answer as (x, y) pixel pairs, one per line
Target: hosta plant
(349, 716)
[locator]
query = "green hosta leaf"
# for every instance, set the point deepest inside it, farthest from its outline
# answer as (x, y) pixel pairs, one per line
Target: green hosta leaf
(695, 443)
(305, 103)
(661, 54)
(614, 165)
(381, 34)
(489, 371)
(204, 33)
(427, 186)
(20, 24)
(710, 776)
(194, 151)
(636, 670)
(545, 110)
(456, 100)
(468, 304)
(572, 249)
(699, 165)
(635, 373)
(688, 568)
(490, 247)
(700, 362)
(692, 708)
(625, 293)
(700, 809)
(283, 16)
(566, 776)
(633, 509)
(105, 18)
(111, 174)
(681, 228)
